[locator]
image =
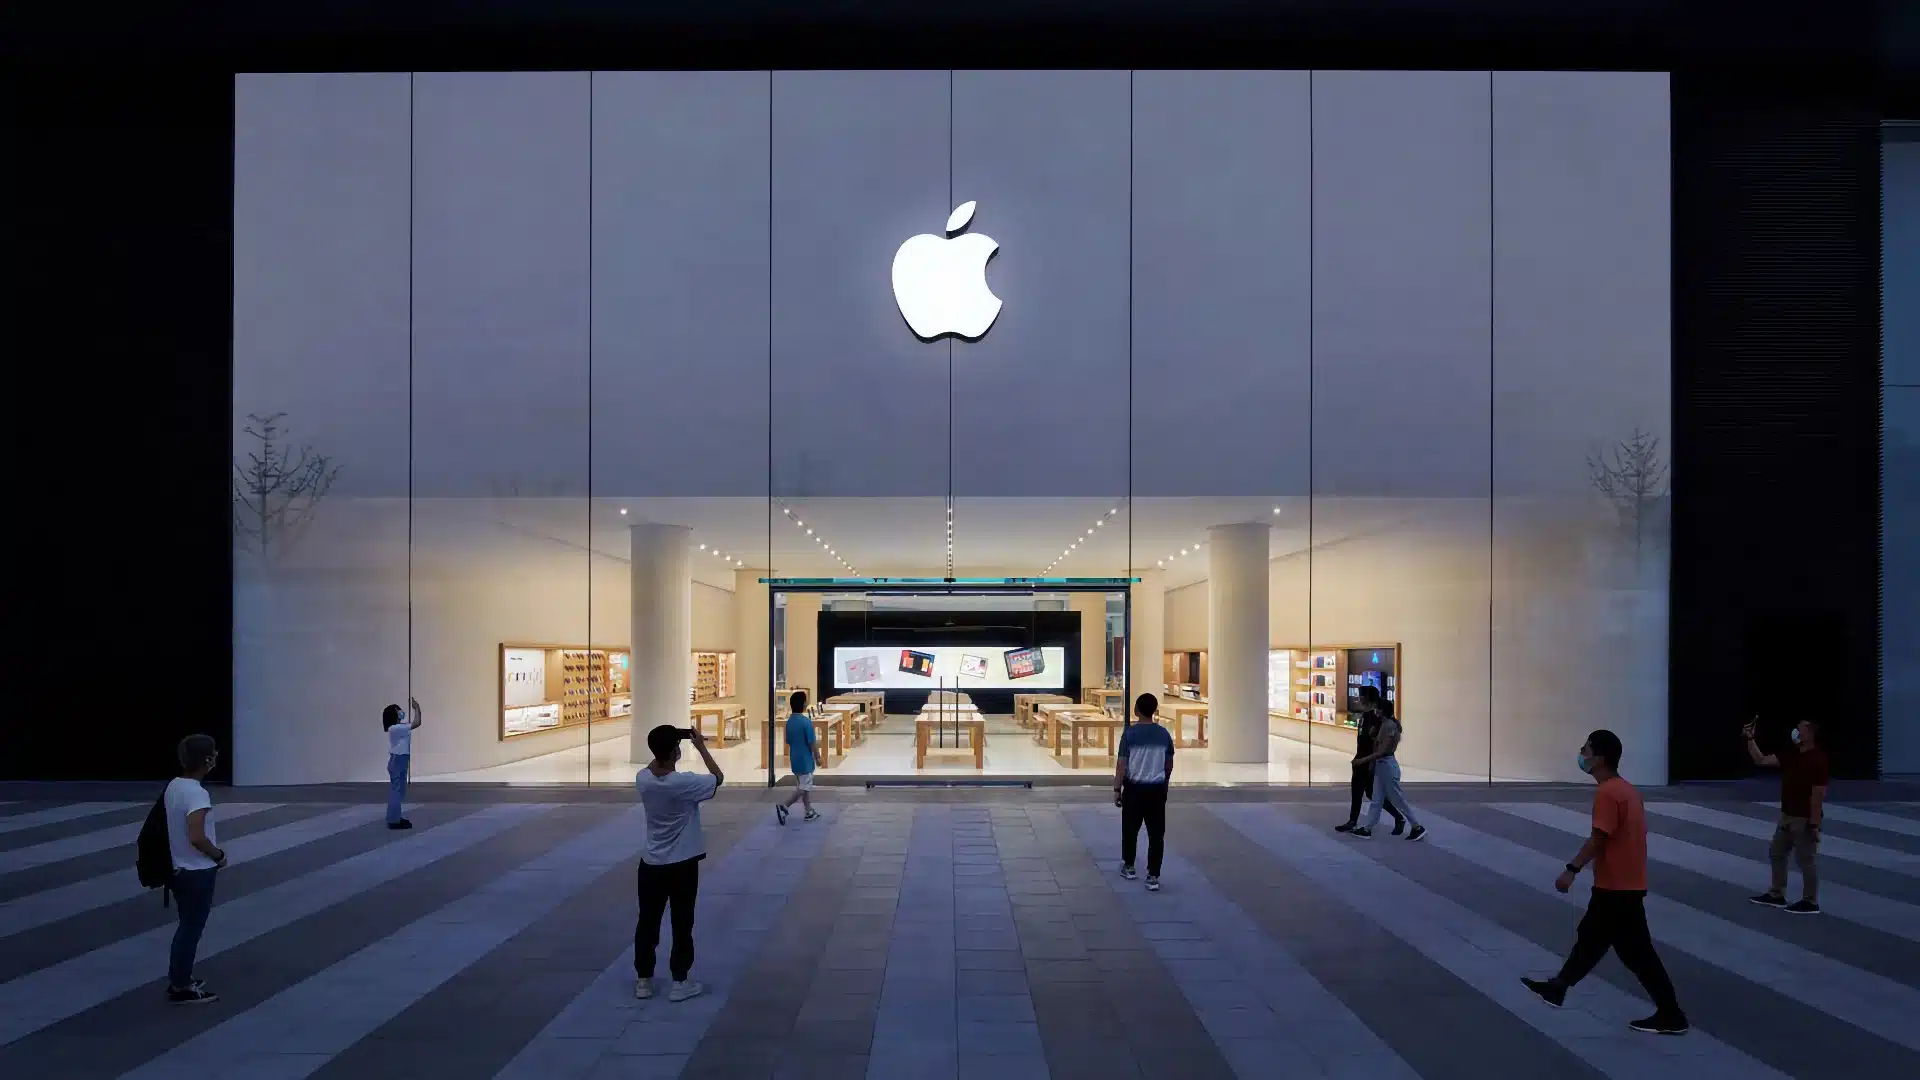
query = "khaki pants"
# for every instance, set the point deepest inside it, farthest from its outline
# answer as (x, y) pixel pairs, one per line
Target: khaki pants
(1793, 836)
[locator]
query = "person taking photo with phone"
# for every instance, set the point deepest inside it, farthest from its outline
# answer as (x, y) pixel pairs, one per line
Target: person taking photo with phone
(669, 873)
(1803, 796)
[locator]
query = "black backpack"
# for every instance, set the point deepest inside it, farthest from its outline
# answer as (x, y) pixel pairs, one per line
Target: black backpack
(153, 859)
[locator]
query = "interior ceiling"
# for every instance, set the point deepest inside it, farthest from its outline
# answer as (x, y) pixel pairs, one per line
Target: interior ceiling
(907, 537)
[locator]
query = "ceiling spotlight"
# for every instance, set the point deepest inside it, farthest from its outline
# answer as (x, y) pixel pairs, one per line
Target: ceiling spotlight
(1101, 524)
(786, 511)
(1161, 562)
(800, 523)
(623, 511)
(703, 547)
(1183, 551)
(1276, 509)
(809, 532)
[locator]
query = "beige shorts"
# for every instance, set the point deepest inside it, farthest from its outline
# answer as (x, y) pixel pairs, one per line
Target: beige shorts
(803, 781)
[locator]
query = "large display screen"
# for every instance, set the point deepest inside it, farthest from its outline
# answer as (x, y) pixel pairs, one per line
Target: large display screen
(970, 667)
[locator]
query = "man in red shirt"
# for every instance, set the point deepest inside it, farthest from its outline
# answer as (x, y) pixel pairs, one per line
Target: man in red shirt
(1616, 915)
(1803, 795)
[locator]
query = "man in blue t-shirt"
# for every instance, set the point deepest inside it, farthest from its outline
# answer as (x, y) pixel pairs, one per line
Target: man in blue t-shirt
(1142, 768)
(800, 754)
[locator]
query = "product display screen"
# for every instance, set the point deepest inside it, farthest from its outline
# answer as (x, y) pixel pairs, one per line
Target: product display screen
(1025, 663)
(893, 667)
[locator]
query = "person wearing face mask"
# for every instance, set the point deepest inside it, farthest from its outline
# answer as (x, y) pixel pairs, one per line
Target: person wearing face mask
(1617, 914)
(1803, 795)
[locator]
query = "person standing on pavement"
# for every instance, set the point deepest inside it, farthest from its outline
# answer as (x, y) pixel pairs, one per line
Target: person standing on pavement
(400, 730)
(801, 747)
(1617, 913)
(1372, 715)
(1142, 770)
(1803, 797)
(197, 860)
(1387, 792)
(669, 873)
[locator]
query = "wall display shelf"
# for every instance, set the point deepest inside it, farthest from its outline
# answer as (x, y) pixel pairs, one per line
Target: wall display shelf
(1321, 685)
(546, 687)
(711, 676)
(1186, 673)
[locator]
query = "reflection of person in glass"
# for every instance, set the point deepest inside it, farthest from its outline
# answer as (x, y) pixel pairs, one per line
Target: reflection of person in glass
(1372, 714)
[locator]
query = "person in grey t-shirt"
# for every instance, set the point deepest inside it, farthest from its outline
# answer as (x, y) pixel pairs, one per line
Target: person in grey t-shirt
(669, 873)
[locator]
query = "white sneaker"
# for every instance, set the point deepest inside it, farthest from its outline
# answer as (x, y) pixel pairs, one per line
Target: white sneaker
(643, 989)
(681, 991)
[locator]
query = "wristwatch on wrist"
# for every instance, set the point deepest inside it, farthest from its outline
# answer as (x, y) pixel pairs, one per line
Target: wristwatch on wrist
(1572, 869)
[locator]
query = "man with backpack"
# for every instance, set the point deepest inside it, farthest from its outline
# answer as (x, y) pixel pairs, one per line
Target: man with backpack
(179, 852)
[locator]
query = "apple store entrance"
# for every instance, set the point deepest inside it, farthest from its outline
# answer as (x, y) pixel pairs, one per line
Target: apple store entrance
(948, 681)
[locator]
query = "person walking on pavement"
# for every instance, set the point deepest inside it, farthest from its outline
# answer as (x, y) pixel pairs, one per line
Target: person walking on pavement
(1617, 913)
(197, 860)
(1803, 797)
(1142, 769)
(1371, 717)
(669, 872)
(801, 747)
(399, 759)
(1386, 772)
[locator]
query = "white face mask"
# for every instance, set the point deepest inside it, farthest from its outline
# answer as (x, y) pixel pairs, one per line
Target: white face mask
(1795, 736)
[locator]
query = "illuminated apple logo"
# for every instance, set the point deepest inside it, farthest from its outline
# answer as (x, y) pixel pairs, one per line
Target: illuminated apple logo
(940, 282)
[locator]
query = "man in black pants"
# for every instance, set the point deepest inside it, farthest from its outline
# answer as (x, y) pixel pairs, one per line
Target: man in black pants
(670, 865)
(1370, 718)
(1142, 769)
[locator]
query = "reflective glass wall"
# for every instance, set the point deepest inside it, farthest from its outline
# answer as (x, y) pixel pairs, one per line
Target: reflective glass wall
(538, 377)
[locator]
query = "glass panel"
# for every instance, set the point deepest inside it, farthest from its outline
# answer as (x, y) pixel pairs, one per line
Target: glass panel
(1581, 447)
(503, 586)
(320, 437)
(680, 400)
(1401, 392)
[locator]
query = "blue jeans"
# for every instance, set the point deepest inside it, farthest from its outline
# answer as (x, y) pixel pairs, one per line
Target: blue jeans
(396, 784)
(1386, 792)
(193, 896)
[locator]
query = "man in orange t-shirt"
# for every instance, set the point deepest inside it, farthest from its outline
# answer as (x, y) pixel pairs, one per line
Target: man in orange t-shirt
(1617, 915)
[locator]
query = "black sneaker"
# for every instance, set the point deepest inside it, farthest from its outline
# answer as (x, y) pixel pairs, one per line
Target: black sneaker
(1127, 872)
(1803, 907)
(1550, 991)
(1659, 1024)
(1362, 832)
(1400, 826)
(780, 813)
(1153, 883)
(1347, 826)
(1767, 899)
(811, 815)
(403, 823)
(196, 994)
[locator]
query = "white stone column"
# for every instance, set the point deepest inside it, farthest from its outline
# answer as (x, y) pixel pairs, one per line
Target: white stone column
(1092, 609)
(1237, 642)
(752, 645)
(662, 612)
(803, 643)
(1147, 636)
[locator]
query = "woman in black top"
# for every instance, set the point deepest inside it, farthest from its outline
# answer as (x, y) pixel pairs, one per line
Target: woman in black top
(1370, 720)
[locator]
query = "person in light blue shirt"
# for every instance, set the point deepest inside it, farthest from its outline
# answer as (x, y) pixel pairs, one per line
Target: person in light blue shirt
(1142, 770)
(801, 747)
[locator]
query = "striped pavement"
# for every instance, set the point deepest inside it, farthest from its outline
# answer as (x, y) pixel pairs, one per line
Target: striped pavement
(948, 936)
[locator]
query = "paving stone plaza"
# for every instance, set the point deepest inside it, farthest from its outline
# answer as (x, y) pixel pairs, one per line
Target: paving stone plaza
(931, 935)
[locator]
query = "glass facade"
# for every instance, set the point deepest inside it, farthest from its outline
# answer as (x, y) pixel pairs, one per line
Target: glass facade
(1357, 378)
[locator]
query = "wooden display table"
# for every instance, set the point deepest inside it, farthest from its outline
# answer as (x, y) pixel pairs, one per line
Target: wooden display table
(1106, 726)
(851, 716)
(1050, 715)
(1173, 714)
(723, 714)
(970, 722)
(1102, 695)
(872, 703)
(1023, 705)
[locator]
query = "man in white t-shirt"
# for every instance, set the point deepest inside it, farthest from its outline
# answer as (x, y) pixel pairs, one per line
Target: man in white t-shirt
(670, 863)
(399, 728)
(197, 859)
